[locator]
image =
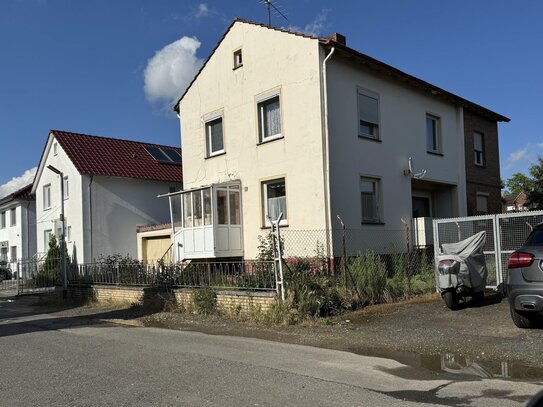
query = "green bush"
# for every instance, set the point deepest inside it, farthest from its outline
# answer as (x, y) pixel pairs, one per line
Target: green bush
(205, 300)
(369, 275)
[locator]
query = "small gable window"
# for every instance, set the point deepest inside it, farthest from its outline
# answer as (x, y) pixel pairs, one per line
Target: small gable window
(238, 59)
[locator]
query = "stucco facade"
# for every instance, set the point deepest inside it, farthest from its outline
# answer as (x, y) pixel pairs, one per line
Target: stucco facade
(320, 154)
(17, 227)
(289, 66)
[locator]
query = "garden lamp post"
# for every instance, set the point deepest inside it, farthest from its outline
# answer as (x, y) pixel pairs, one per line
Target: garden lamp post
(62, 240)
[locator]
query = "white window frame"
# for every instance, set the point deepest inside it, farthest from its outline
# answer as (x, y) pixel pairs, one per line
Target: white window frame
(377, 127)
(207, 126)
(479, 155)
(3, 220)
(47, 197)
(55, 148)
(238, 58)
(46, 237)
(13, 259)
(376, 183)
(13, 217)
(437, 133)
(481, 195)
(265, 210)
(66, 187)
(260, 103)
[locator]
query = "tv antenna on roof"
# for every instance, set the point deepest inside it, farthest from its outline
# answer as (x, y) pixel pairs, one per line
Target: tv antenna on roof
(270, 5)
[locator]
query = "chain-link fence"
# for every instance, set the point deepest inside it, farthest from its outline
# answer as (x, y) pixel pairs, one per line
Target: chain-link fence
(375, 265)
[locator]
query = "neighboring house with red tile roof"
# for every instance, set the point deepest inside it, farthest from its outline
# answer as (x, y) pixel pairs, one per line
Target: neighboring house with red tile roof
(277, 121)
(110, 188)
(17, 226)
(516, 203)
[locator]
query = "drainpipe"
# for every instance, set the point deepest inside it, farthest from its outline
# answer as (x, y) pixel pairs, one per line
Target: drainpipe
(326, 158)
(91, 258)
(27, 230)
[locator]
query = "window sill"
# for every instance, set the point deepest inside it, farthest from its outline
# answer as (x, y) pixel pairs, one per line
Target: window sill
(237, 67)
(480, 165)
(373, 223)
(214, 155)
(375, 140)
(269, 140)
(435, 153)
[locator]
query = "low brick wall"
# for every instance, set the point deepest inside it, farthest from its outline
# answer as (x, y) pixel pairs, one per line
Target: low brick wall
(239, 301)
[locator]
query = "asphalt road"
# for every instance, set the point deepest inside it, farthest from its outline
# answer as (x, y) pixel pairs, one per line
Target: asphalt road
(49, 360)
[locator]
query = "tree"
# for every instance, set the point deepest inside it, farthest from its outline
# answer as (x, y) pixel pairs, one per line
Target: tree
(518, 183)
(535, 193)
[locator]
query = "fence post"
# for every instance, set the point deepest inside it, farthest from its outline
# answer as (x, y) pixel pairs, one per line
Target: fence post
(343, 252)
(498, 249)
(18, 268)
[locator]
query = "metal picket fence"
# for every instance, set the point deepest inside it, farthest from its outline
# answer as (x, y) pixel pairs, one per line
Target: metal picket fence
(504, 234)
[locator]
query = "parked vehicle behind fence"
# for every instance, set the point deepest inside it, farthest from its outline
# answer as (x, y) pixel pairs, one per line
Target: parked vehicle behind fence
(462, 270)
(5, 274)
(525, 281)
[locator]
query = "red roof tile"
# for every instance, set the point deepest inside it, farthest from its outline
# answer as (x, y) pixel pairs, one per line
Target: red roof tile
(117, 158)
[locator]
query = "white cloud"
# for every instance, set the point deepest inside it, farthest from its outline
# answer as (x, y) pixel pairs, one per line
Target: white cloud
(17, 182)
(515, 157)
(316, 26)
(171, 69)
(202, 11)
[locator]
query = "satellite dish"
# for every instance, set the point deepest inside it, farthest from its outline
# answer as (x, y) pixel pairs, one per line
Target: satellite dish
(411, 172)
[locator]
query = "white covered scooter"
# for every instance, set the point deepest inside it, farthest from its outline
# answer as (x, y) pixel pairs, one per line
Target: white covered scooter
(462, 270)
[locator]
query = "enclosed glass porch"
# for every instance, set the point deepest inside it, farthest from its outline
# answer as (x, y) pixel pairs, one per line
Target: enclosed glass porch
(206, 222)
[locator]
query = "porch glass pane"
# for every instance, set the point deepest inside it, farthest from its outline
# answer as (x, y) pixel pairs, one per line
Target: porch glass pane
(207, 206)
(222, 207)
(234, 207)
(197, 200)
(187, 211)
(175, 202)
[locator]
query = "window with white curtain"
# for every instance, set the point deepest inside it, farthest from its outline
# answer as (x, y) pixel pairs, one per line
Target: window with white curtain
(269, 119)
(369, 200)
(275, 201)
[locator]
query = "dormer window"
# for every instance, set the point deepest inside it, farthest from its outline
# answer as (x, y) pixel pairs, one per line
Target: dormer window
(238, 59)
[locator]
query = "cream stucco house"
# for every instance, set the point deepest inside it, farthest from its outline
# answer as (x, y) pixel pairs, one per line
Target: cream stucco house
(110, 188)
(277, 121)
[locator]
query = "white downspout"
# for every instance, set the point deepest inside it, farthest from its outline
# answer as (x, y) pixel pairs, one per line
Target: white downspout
(326, 157)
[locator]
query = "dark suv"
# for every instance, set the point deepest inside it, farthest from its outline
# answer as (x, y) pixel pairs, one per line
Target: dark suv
(525, 281)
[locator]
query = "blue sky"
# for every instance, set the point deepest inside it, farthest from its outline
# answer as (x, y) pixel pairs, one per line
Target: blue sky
(112, 68)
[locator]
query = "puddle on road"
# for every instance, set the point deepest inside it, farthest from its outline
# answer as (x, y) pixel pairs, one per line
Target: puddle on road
(452, 363)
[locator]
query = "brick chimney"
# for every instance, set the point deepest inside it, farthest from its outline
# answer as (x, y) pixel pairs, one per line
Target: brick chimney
(339, 38)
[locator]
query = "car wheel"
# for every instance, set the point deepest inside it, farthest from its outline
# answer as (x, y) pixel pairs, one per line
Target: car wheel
(522, 319)
(451, 299)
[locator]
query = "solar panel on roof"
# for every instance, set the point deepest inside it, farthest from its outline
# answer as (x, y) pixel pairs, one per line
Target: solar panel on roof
(157, 154)
(172, 155)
